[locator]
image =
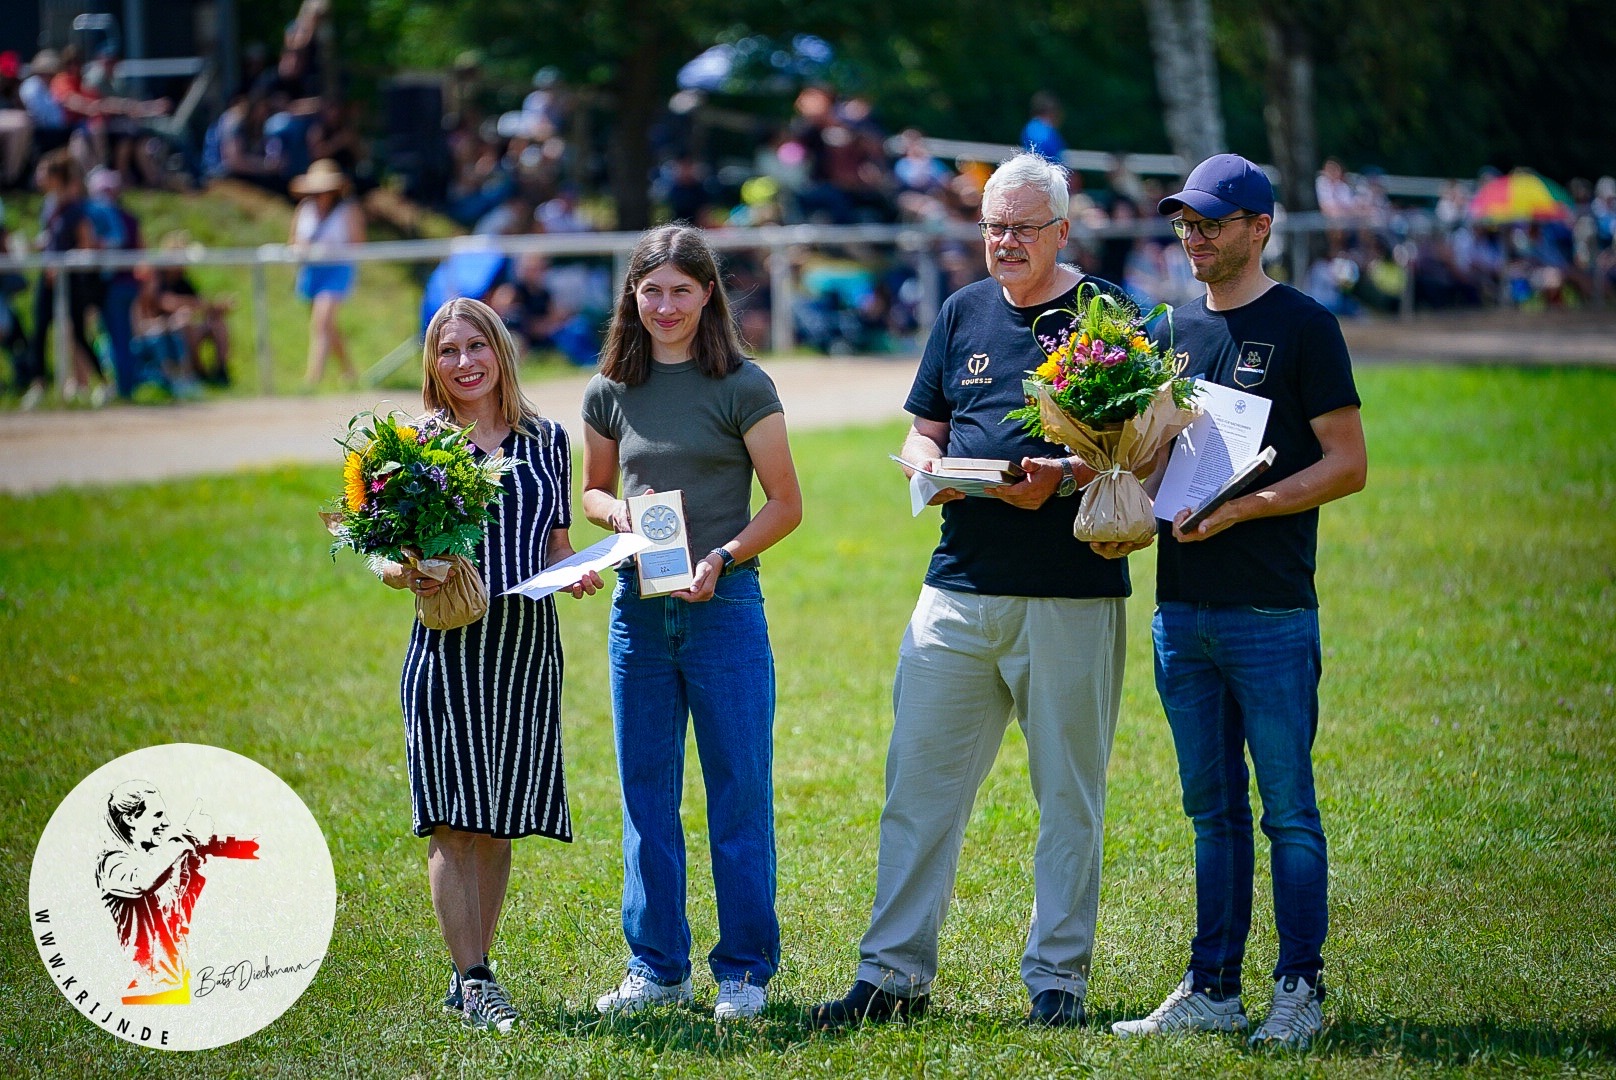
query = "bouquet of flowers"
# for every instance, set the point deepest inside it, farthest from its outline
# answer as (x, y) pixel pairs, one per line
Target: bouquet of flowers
(414, 493)
(1113, 398)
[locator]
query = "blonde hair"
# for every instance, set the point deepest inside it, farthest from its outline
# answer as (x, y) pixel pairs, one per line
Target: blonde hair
(514, 407)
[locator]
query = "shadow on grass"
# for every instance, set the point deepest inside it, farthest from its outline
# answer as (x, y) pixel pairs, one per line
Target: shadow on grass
(1443, 1044)
(1463, 1044)
(688, 1029)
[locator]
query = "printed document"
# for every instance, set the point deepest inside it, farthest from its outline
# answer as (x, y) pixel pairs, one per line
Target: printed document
(1227, 434)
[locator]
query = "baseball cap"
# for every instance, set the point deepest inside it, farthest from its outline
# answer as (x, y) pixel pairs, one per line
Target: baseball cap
(1223, 185)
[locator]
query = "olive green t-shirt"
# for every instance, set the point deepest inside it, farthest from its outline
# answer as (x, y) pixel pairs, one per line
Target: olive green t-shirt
(680, 429)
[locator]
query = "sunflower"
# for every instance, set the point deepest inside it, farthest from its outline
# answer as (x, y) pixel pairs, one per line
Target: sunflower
(406, 432)
(1048, 369)
(353, 480)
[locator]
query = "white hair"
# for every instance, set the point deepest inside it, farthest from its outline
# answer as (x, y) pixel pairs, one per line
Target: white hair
(1034, 171)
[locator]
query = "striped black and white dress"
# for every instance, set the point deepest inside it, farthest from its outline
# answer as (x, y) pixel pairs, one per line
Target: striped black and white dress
(482, 703)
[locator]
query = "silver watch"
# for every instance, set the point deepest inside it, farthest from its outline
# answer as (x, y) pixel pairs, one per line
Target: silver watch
(1068, 483)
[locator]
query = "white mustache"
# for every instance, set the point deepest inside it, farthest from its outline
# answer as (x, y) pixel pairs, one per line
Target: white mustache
(1008, 253)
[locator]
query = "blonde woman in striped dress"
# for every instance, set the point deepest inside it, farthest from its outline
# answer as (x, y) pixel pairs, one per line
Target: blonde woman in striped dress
(482, 703)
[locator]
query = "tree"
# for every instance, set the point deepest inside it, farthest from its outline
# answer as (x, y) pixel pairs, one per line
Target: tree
(1187, 77)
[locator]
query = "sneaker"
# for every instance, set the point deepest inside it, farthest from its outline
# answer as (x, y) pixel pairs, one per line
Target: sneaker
(738, 999)
(638, 991)
(484, 1004)
(867, 1003)
(453, 1001)
(1295, 1017)
(1184, 1012)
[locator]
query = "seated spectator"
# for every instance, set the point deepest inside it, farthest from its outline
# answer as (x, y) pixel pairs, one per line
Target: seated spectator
(334, 134)
(526, 305)
(686, 188)
(513, 217)
(922, 181)
(130, 145)
(1335, 194)
(159, 344)
(16, 127)
(560, 214)
(49, 119)
(235, 148)
(202, 322)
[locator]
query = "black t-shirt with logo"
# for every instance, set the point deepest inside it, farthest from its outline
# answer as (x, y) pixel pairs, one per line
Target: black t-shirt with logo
(1286, 347)
(970, 375)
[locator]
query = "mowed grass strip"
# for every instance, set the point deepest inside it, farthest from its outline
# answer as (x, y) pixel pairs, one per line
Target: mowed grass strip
(1465, 765)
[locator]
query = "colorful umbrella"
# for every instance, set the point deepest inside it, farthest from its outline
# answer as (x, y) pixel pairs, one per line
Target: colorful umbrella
(1523, 195)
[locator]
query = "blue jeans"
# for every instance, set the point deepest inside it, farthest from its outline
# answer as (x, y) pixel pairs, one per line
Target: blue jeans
(710, 662)
(1232, 678)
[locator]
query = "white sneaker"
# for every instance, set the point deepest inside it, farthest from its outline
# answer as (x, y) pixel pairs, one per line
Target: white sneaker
(1295, 1018)
(1185, 1012)
(738, 1000)
(638, 991)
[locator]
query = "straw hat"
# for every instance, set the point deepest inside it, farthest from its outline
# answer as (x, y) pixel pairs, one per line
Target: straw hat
(323, 176)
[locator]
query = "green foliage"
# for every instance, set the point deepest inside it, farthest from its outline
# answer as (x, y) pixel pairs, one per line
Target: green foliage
(414, 489)
(1466, 763)
(1102, 368)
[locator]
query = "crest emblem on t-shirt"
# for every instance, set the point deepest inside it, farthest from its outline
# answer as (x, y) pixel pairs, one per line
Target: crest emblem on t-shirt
(1252, 366)
(976, 365)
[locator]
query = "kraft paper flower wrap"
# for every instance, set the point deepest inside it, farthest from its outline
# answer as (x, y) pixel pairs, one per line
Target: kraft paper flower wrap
(1113, 398)
(414, 493)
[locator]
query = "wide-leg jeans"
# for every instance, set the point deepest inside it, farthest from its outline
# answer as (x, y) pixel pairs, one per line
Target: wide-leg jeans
(709, 663)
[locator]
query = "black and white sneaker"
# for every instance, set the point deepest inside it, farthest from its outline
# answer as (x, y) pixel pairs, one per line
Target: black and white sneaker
(484, 1003)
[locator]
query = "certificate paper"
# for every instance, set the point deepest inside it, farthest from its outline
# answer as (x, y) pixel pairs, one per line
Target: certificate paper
(923, 485)
(571, 570)
(1227, 434)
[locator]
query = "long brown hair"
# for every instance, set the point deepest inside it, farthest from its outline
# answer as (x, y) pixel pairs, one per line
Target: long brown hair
(514, 407)
(717, 348)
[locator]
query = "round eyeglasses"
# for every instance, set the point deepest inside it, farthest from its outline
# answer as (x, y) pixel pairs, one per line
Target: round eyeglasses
(1207, 227)
(1027, 234)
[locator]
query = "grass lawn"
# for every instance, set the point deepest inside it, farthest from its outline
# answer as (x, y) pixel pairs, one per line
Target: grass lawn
(1466, 763)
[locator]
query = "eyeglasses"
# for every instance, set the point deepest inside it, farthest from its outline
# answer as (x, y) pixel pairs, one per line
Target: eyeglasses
(1027, 234)
(1207, 227)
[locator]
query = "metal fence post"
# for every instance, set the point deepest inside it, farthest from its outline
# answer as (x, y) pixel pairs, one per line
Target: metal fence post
(260, 301)
(782, 333)
(63, 331)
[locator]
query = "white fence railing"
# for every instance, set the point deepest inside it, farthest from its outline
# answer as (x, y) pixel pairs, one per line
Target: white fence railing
(920, 243)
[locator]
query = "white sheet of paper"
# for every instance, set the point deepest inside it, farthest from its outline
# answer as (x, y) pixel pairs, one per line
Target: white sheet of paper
(923, 485)
(571, 570)
(1227, 434)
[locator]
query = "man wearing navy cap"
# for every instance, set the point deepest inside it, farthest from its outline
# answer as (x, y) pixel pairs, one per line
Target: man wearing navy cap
(1236, 626)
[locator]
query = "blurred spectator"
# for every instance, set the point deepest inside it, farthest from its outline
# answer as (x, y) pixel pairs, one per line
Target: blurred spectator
(128, 143)
(116, 229)
(1336, 199)
(16, 127)
(686, 188)
(1451, 205)
(1041, 134)
(526, 305)
(326, 215)
(513, 217)
(50, 122)
(334, 134)
(234, 147)
(560, 214)
(1332, 280)
(12, 336)
(1112, 264)
(65, 226)
(158, 343)
(201, 322)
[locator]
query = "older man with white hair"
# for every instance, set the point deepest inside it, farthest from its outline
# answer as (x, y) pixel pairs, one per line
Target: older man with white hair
(1016, 617)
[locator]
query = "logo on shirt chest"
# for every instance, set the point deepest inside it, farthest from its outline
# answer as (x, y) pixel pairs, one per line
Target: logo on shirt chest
(975, 366)
(1251, 367)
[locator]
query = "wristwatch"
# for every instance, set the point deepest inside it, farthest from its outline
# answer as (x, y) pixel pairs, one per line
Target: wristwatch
(724, 557)
(1068, 483)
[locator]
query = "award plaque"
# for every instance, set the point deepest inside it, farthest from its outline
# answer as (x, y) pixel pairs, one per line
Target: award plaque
(666, 566)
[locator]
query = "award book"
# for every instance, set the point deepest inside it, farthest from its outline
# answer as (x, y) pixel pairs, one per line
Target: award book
(1243, 480)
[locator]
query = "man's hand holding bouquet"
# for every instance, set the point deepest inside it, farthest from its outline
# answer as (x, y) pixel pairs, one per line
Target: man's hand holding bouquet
(1113, 398)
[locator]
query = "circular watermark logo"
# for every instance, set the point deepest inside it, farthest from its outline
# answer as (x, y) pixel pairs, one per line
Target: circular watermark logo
(182, 897)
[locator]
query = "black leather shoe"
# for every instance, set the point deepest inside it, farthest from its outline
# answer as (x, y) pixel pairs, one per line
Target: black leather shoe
(866, 1002)
(1057, 1008)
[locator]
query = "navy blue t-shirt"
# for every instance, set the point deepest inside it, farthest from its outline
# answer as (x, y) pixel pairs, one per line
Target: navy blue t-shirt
(970, 375)
(1286, 347)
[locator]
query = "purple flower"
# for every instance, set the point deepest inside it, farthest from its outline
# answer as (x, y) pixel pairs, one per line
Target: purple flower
(1113, 357)
(459, 503)
(438, 477)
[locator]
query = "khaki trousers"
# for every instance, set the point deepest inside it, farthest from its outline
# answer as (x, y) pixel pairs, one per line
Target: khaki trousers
(967, 663)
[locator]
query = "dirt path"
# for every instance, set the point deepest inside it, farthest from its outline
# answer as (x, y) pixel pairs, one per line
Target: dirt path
(127, 443)
(43, 450)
